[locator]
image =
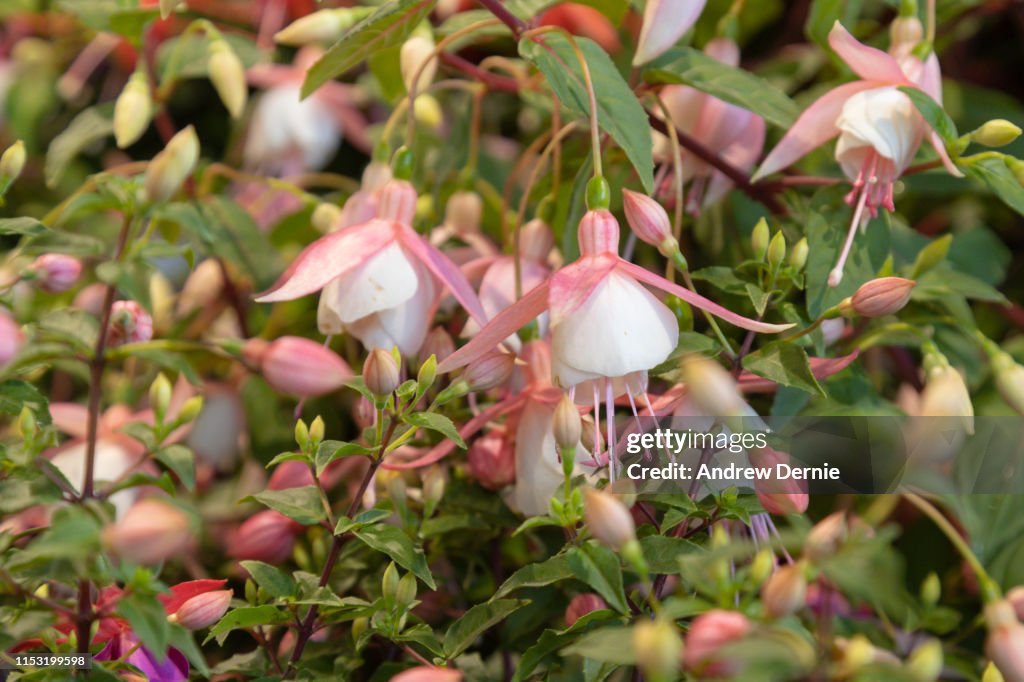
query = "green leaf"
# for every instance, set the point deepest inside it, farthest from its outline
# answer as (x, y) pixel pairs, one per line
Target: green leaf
(619, 112)
(933, 113)
(825, 13)
(611, 645)
(599, 567)
(182, 461)
(246, 617)
(362, 519)
(148, 620)
(331, 450)
(785, 364)
(692, 67)
(436, 422)
(397, 545)
(389, 26)
(14, 395)
(24, 226)
(475, 622)
(939, 283)
(825, 238)
(931, 255)
(164, 359)
(662, 553)
(551, 641)
(999, 179)
(229, 232)
(276, 582)
(92, 125)
(547, 572)
(758, 297)
(301, 504)
(723, 278)
(74, 326)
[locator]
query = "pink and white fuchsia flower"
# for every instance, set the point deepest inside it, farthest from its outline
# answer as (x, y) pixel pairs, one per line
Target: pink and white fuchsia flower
(878, 127)
(380, 279)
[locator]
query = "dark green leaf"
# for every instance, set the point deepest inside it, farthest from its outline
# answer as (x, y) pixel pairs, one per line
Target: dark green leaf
(785, 364)
(436, 422)
(599, 567)
(933, 113)
(300, 504)
(547, 572)
(23, 226)
(1000, 179)
(362, 519)
(246, 617)
(825, 13)
(662, 553)
(389, 26)
(619, 111)
(331, 450)
(931, 255)
(148, 620)
(182, 461)
(475, 622)
(15, 395)
(276, 582)
(397, 545)
(74, 326)
(611, 644)
(692, 67)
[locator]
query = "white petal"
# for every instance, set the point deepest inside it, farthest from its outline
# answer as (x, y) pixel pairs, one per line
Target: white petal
(538, 471)
(111, 462)
(621, 328)
(498, 291)
(405, 325)
(386, 280)
(883, 120)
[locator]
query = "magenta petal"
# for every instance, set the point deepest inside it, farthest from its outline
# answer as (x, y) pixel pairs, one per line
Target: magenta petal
(698, 301)
(507, 322)
(446, 271)
(869, 63)
(815, 127)
(572, 285)
(328, 258)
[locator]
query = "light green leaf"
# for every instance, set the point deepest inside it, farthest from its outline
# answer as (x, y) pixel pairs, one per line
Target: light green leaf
(92, 125)
(397, 545)
(475, 622)
(931, 255)
(999, 179)
(785, 364)
(182, 461)
(301, 504)
(611, 645)
(331, 450)
(436, 422)
(247, 617)
(933, 113)
(24, 226)
(599, 567)
(276, 582)
(692, 67)
(825, 13)
(619, 112)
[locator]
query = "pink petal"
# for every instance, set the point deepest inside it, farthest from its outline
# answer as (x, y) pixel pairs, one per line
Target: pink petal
(665, 22)
(328, 258)
(815, 127)
(506, 322)
(446, 271)
(182, 592)
(572, 285)
(742, 154)
(475, 269)
(698, 301)
(940, 149)
(442, 449)
(870, 63)
(71, 418)
(271, 75)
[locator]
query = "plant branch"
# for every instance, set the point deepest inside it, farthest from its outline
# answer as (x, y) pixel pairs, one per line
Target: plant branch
(497, 8)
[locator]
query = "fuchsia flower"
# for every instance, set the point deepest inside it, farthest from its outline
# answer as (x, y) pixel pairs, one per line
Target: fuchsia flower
(665, 22)
(735, 133)
(380, 279)
(878, 127)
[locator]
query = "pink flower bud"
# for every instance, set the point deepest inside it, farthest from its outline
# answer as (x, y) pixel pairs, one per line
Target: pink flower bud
(90, 298)
(649, 220)
(581, 605)
(609, 519)
(463, 212)
(788, 496)
(491, 460)
(598, 233)
(708, 633)
(826, 537)
(490, 371)
(292, 474)
(150, 532)
(1005, 642)
(536, 240)
(397, 202)
(785, 592)
(202, 610)
(380, 372)
(438, 343)
(302, 367)
(11, 338)
(129, 323)
(1016, 599)
(428, 673)
(266, 536)
(882, 296)
(55, 272)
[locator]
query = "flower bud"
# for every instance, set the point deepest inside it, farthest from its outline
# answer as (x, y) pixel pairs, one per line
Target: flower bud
(996, 133)
(591, 437)
(266, 536)
(798, 254)
(190, 409)
(55, 273)
(463, 212)
(1009, 377)
(434, 482)
(536, 241)
(397, 202)
(759, 239)
(160, 395)
(581, 605)
(129, 323)
(417, 53)
(945, 393)
(490, 371)
(228, 76)
(658, 647)
(132, 110)
(711, 388)
(327, 217)
(609, 519)
(203, 288)
(202, 610)
(925, 663)
(882, 296)
(12, 162)
(826, 537)
(168, 169)
(90, 298)
(708, 633)
(777, 249)
(1005, 642)
(762, 566)
(324, 26)
(649, 221)
(491, 460)
(931, 589)
(11, 338)
(788, 496)
(598, 233)
(785, 592)
(992, 674)
(303, 367)
(428, 111)
(380, 373)
(566, 424)
(150, 532)
(428, 673)
(438, 343)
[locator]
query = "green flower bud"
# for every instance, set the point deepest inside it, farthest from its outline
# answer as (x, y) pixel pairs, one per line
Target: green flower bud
(777, 250)
(996, 133)
(759, 239)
